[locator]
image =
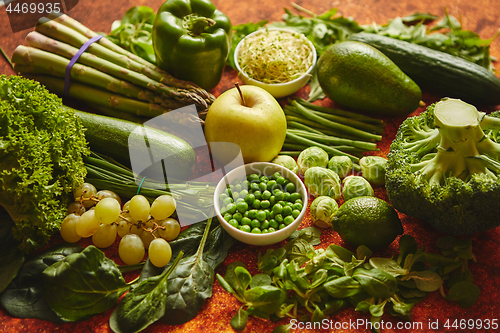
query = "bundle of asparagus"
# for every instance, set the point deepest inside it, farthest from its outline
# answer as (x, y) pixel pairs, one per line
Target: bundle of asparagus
(338, 132)
(110, 79)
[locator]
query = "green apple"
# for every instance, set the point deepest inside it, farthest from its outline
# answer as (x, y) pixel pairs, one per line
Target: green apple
(249, 117)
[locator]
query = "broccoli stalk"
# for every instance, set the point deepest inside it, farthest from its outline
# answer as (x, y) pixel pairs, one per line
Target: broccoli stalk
(463, 148)
(444, 168)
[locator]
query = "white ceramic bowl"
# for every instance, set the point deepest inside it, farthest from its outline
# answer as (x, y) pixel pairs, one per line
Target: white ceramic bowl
(278, 90)
(265, 169)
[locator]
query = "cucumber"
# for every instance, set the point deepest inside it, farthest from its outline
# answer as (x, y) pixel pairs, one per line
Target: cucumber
(110, 136)
(438, 72)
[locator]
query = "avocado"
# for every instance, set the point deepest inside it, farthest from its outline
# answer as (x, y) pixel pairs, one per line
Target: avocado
(359, 76)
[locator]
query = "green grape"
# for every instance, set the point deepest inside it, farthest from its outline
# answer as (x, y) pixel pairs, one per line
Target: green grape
(172, 229)
(68, 229)
(107, 210)
(85, 191)
(139, 208)
(108, 194)
(123, 227)
(146, 237)
(131, 249)
(76, 208)
(87, 224)
(135, 229)
(159, 252)
(163, 206)
(126, 205)
(105, 235)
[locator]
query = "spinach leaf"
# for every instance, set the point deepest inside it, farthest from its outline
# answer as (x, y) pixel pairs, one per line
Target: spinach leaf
(239, 321)
(427, 280)
(143, 304)
(23, 298)
(11, 258)
(342, 287)
(264, 300)
(465, 293)
(388, 265)
(376, 282)
(83, 284)
(189, 284)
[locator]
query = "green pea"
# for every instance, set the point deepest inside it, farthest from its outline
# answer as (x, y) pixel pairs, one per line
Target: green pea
(254, 186)
(264, 179)
(290, 187)
(281, 226)
(271, 185)
(255, 223)
(252, 213)
(271, 229)
(287, 210)
(265, 204)
(276, 175)
(256, 204)
(266, 195)
(223, 196)
(237, 216)
(299, 201)
(289, 219)
(264, 225)
(272, 200)
(245, 221)
(253, 178)
(231, 208)
(227, 201)
(286, 196)
(245, 214)
(242, 207)
(295, 196)
(281, 180)
(269, 214)
(245, 184)
(245, 228)
(295, 213)
(256, 231)
(237, 188)
(278, 218)
(234, 223)
(257, 194)
(265, 231)
(239, 200)
(273, 224)
(261, 215)
(277, 209)
(263, 187)
(279, 195)
(228, 216)
(297, 206)
(282, 203)
(228, 192)
(249, 198)
(288, 203)
(236, 195)
(243, 193)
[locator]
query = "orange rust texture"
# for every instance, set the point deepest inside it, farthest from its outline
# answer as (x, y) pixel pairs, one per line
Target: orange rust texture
(482, 16)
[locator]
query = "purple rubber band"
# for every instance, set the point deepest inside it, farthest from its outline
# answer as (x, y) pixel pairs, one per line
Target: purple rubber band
(75, 59)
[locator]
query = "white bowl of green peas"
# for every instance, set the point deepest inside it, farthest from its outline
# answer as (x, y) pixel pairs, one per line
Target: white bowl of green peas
(260, 203)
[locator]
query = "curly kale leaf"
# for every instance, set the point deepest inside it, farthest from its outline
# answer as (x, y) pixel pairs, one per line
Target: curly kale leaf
(41, 149)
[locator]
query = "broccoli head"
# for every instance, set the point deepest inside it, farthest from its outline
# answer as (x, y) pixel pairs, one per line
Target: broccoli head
(443, 168)
(41, 159)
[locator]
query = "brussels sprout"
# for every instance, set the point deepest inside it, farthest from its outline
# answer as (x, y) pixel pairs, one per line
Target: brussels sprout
(323, 210)
(323, 181)
(373, 169)
(342, 165)
(286, 162)
(356, 186)
(312, 157)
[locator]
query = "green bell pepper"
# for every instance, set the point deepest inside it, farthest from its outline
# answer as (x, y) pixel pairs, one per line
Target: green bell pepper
(192, 40)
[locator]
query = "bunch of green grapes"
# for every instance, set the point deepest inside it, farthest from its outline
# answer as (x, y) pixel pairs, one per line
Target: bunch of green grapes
(140, 225)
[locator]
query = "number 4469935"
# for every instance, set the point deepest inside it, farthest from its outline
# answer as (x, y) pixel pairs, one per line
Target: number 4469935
(33, 7)
(487, 324)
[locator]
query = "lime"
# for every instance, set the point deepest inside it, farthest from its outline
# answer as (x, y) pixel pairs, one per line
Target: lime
(368, 221)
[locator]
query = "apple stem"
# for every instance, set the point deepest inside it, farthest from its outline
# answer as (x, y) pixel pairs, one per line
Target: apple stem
(241, 94)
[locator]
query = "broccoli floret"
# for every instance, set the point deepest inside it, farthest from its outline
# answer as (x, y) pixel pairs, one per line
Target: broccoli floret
(41, 148)
(443, 168)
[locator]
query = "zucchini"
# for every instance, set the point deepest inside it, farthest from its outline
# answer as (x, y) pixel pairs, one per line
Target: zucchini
(110, 136)
(438, 72)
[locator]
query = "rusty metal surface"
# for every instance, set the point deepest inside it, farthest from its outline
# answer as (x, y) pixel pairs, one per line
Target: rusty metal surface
(482, 16)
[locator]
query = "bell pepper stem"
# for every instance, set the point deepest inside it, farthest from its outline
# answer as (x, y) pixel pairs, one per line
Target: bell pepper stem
(196, 25)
